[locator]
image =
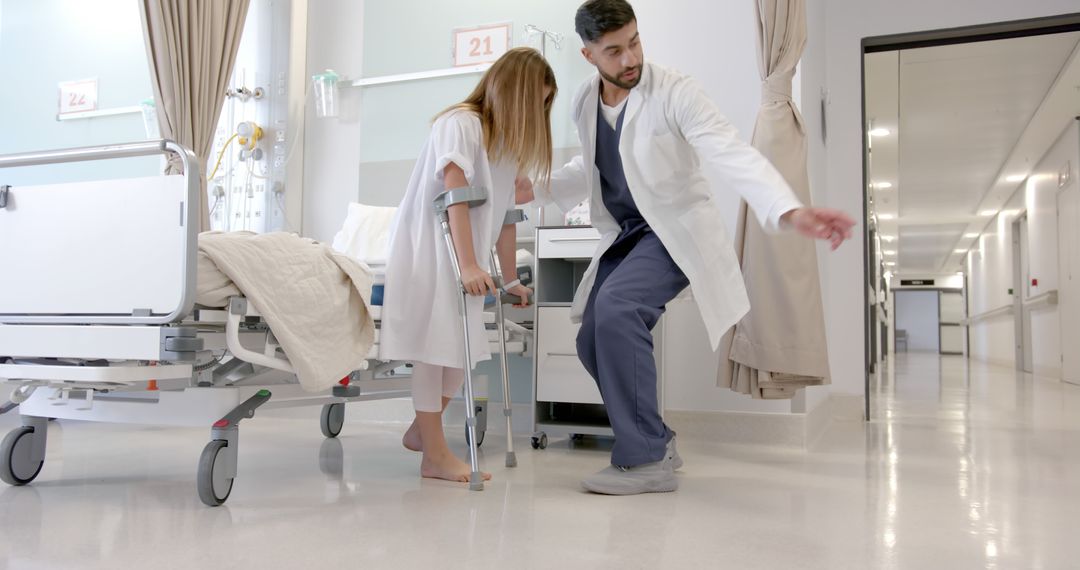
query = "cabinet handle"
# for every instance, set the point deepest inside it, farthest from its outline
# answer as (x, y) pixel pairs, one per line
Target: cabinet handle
(563, 354)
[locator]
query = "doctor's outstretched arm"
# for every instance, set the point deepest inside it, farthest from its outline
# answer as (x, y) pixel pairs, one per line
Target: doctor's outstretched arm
(740, 166)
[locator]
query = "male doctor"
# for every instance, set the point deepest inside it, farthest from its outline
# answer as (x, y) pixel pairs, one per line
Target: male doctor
(649, 135)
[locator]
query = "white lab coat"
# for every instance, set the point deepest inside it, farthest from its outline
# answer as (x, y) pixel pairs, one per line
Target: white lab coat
(673, 137)
(420, 319)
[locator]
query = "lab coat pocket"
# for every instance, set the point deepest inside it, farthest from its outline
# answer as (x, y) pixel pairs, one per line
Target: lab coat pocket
(658, 158)
(705, 229)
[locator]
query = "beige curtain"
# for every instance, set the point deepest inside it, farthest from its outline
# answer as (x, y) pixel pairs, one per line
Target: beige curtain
(192, 45)
(779, 347)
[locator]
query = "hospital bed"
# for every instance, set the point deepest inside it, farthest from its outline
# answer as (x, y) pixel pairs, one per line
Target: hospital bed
(98, 322)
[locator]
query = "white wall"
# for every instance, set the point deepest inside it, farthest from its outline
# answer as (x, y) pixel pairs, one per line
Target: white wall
(1040, 200)
(45, 42)
(332, 146)
(848, 22)
(917, 313)
(991, 265)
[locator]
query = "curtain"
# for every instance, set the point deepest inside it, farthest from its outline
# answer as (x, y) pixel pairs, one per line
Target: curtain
(779, 347)
(192, 45)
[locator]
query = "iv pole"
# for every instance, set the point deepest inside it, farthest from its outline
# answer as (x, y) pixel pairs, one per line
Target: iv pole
(556, 39)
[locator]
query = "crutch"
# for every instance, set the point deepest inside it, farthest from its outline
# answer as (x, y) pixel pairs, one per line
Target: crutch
(473, 197)
(512, 217)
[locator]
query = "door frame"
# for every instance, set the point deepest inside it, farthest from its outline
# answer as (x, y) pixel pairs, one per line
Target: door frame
(1021, 266)
(1063, 23)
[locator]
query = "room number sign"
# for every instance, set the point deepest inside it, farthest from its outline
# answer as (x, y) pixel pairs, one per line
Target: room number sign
(482, 44)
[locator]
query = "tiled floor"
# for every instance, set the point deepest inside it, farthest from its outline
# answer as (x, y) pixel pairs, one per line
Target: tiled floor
(963, 466)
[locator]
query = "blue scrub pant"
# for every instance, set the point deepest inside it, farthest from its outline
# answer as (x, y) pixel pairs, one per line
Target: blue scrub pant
(635, 280)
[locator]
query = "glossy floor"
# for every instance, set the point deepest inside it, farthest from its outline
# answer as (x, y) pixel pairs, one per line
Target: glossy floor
(964, 466)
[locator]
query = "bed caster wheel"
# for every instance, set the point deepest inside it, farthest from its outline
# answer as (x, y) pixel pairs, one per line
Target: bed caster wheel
(213, 483)
(577, 438)
(540, 441)
(332, 419)
(479, 437)
(16, 464)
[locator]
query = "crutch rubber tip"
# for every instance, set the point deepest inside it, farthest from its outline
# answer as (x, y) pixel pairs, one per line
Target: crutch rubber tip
(476, 481)
(511, 459)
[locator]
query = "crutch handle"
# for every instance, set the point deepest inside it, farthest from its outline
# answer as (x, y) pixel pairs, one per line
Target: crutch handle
(514, 217)
(506, 299)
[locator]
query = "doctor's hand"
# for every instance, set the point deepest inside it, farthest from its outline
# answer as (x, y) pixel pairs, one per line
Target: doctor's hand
(523, 190)
(820, 223)
(477, 282)
(523, 292)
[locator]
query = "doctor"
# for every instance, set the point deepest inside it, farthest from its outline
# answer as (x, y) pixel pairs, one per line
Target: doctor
(649, 136)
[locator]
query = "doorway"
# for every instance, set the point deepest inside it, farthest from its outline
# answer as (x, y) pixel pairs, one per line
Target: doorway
(942, 151)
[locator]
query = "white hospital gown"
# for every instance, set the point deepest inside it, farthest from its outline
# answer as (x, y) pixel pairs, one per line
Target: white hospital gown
(420, 320)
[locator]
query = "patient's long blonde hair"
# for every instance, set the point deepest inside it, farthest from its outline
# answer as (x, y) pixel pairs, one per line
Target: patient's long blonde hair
(514, 113)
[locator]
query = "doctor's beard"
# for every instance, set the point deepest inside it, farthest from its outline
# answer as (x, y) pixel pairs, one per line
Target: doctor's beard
(622, 83)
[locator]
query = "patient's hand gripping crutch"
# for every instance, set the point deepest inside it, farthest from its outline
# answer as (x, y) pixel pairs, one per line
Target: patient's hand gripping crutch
(473, 197)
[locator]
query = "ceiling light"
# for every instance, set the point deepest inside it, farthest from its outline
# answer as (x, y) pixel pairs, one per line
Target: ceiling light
(890, 263)
(961, 251)
(988, 213)
(971, 235)
(889, 239)
(883, 185)
(1016, 178)
(880, 133)
(886, 217)
(889, 252)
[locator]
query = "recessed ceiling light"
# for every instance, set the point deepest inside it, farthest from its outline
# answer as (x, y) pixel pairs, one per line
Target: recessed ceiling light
(1016, 178)
(961, 251)
(890, 263)
(889, 252)
(971, 235)
(988, 213)
(883, 185)
(889, 239)
(886, 217)
(880, 133)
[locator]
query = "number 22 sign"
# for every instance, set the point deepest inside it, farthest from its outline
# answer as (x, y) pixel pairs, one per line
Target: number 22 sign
(484, 44)
(78, 96)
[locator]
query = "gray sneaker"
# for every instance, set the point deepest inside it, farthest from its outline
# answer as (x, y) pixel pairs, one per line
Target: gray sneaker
(673, 455)
(655, 477)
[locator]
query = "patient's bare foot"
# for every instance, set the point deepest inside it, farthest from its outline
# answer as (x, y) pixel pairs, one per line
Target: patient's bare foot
(411, 440)
(447, 467)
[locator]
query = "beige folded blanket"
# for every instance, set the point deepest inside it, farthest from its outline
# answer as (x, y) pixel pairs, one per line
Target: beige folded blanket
(314, 299)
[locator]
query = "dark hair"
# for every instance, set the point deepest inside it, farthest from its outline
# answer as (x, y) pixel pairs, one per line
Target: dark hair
(598, 17)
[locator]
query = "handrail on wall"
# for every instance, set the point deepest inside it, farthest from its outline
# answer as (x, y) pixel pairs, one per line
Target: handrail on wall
(999, 312)
(1047, 299)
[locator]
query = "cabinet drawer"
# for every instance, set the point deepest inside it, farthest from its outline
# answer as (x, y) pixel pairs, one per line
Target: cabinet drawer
(560, 376)
(569, 243)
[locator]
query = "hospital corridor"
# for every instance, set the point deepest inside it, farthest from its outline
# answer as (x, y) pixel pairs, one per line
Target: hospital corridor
(583, 284)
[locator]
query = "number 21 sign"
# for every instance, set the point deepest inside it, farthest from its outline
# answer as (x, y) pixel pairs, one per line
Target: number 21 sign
(484, 44)
(78, 96)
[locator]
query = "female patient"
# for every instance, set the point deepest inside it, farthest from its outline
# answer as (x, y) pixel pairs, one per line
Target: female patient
(502, 130)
